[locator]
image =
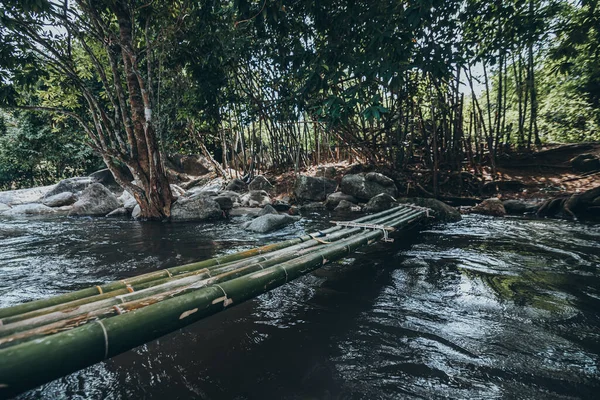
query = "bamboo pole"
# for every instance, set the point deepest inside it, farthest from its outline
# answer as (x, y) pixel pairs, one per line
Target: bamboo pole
(128, 284)
(74, 311)
(29, 364)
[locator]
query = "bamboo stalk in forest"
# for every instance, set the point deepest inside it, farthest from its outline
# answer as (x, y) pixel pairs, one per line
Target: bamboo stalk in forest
(26, 365)
(129, 284)
(41, 317)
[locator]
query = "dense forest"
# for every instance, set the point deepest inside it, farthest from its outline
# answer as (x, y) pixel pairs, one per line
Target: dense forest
(450, 85)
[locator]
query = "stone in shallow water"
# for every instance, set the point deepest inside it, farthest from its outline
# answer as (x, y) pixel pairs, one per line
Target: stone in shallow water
(95, 200)
(198, 207)
(269, 222)
(61, 199)
(30, 209)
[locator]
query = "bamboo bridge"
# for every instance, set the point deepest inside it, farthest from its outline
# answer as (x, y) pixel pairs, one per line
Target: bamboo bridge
(45, 339)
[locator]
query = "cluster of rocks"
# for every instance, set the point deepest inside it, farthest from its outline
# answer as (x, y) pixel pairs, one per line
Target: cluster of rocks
(362, 192)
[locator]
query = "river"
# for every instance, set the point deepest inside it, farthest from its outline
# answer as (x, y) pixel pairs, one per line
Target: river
(484, 308)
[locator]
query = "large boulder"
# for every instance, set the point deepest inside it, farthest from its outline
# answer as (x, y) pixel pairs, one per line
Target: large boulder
(236, 185)
(29, 209)
(517, 207)
(255, 198)
(440, 210)
(24, 196)
(269, 222)
(95, 200)
(380, 202)
(334, 199)
(585, 163)
(197, 207)
(260, 183)
(195, 165)
(492, 206)
(326, 172)
(73, 185)
(59, 200)
(225, 202)
(308, 188)
(268, 209)
(365, 187)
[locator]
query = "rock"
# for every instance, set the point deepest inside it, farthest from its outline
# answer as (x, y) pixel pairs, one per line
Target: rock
(260, 183)
(268, 209)
(314, 206)
(61, 199)
(236, 185)
(128, 201)
(308, 188)
(269, 222)
(345, 205)
(136, 213)
(326, 172)
(119, 212)
(517, 207)
(194, 164)
(29, 209)
(492, 206)
(255, 198)
(176, 191)
(380, 202)
(214, 185)
(95, 200)
(440, 210)
(25, 196)
(281, 205)
(73, 185)
(585, 163)
(4, 207)
(334, 199)
(380, 179)
(224, 202)
(364, 190)
(198, 207)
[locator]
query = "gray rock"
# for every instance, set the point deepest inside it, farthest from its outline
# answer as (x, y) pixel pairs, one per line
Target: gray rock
(195, 208)
(236, 185)
(25, 196)
(59, 200)
(255, 198)
(268, 209)
(194, 164)
(269, 222)
(380, 179)
(29, 209)
(234, 196)
(136, 212)
(334, 199)
(119, 212)
(492, 206)
(281, 205)
(308, 188)
(517, 207)
(73, 185)
(260, 183)
(364, 190)
(224, 202)
(214, 185)
(345, 205)
(95, 200)
(440, 210)
(380, 202)
(4, 207)
(128, 201)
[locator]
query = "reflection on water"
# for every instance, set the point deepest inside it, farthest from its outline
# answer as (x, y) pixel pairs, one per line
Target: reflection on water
(484, 308)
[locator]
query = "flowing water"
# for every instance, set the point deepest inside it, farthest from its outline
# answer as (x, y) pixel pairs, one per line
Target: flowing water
(483, 308)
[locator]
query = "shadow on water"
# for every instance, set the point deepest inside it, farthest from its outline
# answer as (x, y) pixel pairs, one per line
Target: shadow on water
(483, 308)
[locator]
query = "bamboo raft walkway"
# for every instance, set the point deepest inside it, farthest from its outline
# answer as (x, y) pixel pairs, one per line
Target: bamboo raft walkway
(45, 339)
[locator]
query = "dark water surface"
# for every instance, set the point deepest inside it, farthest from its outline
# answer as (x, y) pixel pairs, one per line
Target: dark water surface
(484, 308)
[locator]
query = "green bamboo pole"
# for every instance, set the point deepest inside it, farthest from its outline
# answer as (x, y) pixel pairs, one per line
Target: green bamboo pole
(29, 364)
(74, 314)
(164, 273)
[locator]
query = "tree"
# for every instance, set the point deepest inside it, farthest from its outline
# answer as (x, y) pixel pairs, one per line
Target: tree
(103, 57)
